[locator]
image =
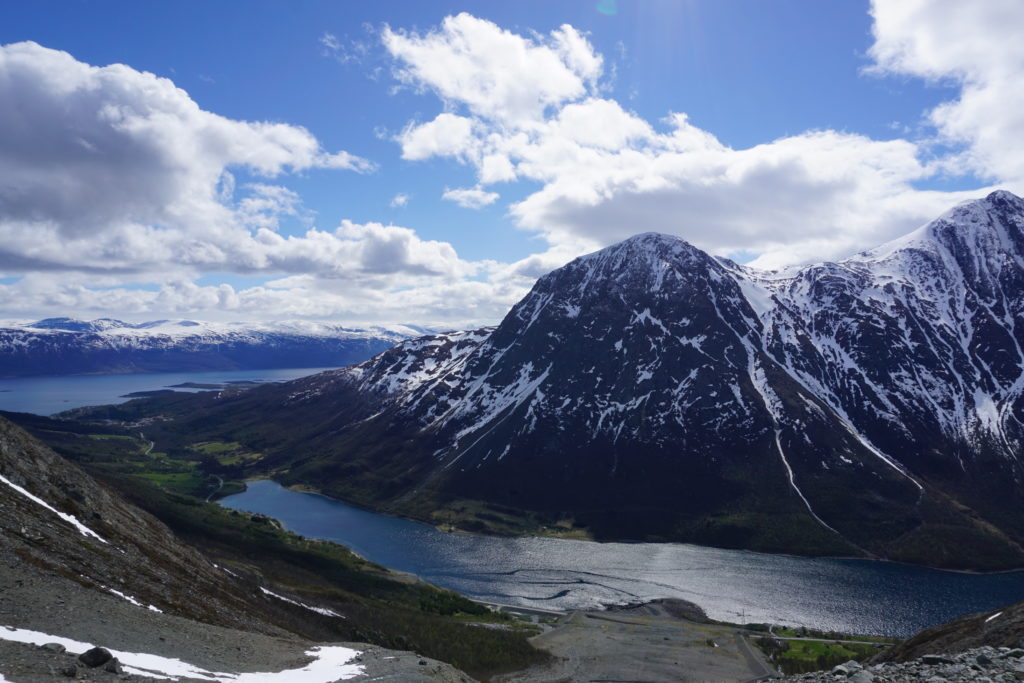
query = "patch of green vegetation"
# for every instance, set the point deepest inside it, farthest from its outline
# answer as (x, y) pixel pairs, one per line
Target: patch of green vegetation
(111, 436)
(230, 488)
(188, 481)
(239, 459)
(216, 447)
(225, 459)
(802, 656)
(481, 517)
(448, 604)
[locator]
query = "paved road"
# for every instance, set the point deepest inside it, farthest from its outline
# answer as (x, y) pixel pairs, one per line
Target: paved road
(149, 449)
(776, 636)
(220, 485)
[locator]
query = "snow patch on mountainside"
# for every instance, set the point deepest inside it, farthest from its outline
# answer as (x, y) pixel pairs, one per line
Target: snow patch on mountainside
(330, 662)
(70, 519)
(920, 337)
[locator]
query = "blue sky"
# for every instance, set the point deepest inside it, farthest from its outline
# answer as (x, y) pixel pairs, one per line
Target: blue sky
(839, 83)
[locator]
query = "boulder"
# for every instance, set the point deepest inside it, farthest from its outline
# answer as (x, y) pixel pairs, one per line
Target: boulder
(98, 656)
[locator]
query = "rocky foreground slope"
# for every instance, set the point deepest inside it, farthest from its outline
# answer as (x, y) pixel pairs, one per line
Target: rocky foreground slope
(80, 567)
(988, 646)
(978, 665)
(872, 406)
(65, 346)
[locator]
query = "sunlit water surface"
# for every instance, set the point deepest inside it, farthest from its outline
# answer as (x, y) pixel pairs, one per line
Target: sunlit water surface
(856, 596)
(49, 395)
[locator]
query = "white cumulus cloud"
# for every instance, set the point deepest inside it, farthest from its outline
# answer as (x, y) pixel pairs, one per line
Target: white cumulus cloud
(109, 169)
(84, 147)
(978, 46)
(496, 73)
(530, 108)
(118, 176)
(470, 197)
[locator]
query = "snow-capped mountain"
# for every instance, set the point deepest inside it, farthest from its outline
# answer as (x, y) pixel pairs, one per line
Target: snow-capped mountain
(650, 390)
(59, 346)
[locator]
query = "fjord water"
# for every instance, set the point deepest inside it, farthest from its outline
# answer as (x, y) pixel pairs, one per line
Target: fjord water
(856, 596)
(48, 395)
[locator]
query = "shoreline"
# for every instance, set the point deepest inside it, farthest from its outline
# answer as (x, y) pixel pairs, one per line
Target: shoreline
(706, 592)
(305, 488)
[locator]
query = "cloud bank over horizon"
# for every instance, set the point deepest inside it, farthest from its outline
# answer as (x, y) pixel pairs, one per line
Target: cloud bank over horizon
(122, 196)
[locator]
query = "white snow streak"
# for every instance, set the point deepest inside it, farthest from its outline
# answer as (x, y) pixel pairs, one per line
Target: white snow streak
(792, 482)
(330, 662)
(131, 599)
(319, 610)
(70, 519)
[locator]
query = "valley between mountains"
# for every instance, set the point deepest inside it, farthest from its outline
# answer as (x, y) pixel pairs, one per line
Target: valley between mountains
(867, 407)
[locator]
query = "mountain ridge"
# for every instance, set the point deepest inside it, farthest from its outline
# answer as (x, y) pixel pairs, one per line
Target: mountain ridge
(649, 390)
(56, 346)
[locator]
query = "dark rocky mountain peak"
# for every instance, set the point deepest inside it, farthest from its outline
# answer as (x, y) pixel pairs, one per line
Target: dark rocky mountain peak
(649, 390)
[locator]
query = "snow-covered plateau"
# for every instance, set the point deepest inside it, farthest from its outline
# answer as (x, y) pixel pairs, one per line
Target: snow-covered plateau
(64, 346)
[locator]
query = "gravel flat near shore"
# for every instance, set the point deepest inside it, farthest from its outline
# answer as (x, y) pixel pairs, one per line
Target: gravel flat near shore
(643, 644)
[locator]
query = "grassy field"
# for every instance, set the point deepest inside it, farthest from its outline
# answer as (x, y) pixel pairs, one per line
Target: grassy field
(481, 517)
(216, 447)
(188, 481)
(802, 656)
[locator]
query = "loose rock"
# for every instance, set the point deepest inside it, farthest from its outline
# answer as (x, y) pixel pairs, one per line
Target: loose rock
(98, 656)
(980, 665)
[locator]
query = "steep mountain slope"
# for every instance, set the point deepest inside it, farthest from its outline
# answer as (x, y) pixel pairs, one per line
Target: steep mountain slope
(650, 390)
(64, 346)
(56, 519)
(79, 561)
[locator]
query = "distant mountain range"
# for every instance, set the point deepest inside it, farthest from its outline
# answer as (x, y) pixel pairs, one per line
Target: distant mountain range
(65, 346)
(871, 406)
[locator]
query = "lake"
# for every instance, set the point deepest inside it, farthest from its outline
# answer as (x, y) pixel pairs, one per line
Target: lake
(855, 596)
(48, 395)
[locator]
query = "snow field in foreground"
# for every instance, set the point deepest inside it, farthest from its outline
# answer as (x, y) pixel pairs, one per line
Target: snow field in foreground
(330, 663)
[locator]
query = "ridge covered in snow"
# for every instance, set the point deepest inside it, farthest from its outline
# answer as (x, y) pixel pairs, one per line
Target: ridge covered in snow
(947, 299)
(69, 346)
(111, 328)
(870, 393)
